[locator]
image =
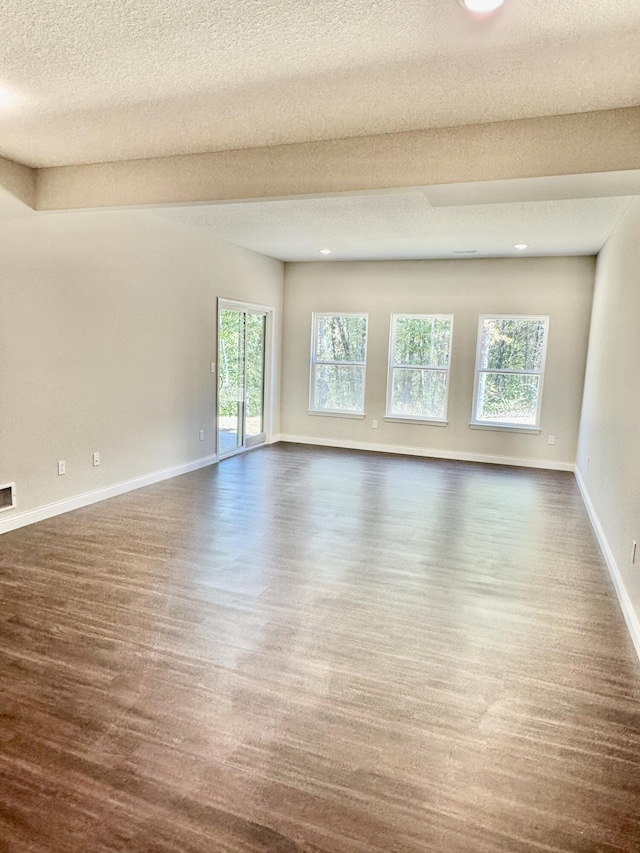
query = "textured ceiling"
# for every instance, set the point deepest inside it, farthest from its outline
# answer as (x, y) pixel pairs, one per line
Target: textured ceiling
(88, 80)
(404, 225)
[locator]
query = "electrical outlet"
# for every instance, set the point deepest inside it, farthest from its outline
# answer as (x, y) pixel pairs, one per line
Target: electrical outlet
(588, 461)
(201, 435)
(213, 367)
(552, 439)
(96, 460)
(62, 467)
(374, 424)
(633, 550)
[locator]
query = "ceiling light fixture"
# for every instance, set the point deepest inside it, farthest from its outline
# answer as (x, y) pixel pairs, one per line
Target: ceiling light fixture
(325, 251)
(9, 98)
(482, 6)
(520, 246)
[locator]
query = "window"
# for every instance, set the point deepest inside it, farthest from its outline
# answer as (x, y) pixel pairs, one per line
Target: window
(509, 371)
(338, 356)
(419, 358)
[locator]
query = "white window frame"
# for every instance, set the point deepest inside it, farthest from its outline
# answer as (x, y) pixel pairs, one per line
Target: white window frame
(507, 425)
(389, 416)
(336, 413)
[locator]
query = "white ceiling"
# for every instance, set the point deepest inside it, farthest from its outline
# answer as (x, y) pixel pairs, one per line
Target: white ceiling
(403, 225)
(88, 80)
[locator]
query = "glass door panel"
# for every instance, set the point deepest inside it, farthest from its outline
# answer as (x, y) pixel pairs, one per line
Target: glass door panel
(241, 377)
(254, 366)
(231, 373)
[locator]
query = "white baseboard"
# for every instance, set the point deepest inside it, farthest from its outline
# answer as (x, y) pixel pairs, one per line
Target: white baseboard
(21, 519)
(459, 456)
(628, 611)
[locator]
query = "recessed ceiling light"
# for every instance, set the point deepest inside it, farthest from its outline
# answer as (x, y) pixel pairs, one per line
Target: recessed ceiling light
(521, 246)
(482, 5)
(325, 251)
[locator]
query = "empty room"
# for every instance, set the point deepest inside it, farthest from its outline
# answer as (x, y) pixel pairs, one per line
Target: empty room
(319, 434)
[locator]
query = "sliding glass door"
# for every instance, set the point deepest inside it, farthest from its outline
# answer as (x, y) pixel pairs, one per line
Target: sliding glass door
(242, 332)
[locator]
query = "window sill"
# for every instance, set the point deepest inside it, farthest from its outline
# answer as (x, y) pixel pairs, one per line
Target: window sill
(356, 415)
(424, 421)
(506, 428)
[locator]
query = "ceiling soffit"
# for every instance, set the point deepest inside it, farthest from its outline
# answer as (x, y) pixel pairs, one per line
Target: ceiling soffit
(582, 143)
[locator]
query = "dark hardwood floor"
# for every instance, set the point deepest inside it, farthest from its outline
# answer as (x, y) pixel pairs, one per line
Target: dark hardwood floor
(315, 650)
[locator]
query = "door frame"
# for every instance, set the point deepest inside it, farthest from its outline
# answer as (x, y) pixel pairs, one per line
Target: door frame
(268, 312)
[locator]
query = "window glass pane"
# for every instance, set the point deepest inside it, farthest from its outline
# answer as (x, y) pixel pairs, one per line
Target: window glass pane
(418, 393)
(339, 387)
(341, 338)
(422, 340)
(507, 398)
(512, 344)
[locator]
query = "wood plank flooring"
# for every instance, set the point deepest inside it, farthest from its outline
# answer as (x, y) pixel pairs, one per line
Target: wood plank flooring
(312, 650)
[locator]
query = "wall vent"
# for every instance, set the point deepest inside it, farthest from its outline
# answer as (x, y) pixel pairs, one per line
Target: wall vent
(7, 496)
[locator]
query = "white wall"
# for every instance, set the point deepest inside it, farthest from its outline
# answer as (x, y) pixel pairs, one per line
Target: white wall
(559, 287)
(609, 448)
(107, 331)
